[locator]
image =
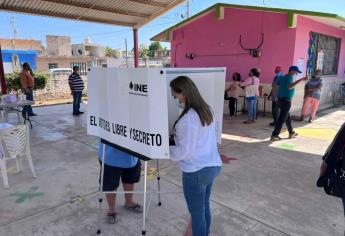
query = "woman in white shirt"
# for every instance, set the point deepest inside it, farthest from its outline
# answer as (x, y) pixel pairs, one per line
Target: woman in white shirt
(196, 151)
(251, 85)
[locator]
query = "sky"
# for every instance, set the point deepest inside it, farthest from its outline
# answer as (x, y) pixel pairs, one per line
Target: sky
(36, 27)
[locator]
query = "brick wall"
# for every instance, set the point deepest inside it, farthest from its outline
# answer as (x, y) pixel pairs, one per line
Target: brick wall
(21, 44)
(58, 45)
(57, 88)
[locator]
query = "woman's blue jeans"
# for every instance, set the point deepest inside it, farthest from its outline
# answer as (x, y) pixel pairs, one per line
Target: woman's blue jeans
(197, 188)
(251, 108)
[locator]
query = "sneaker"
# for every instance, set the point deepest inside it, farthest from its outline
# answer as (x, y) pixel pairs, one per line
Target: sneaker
(75, 114)
(80, 112)
(310, 120)
(276, 138)
(293, 135)
(272, 124)
(33, 114)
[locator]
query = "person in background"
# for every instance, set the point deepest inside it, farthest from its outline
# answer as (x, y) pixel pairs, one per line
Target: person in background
(118, 165)
(287, 86)
(312, 94)
(196, 152)
(234, 91)
(330, 161)
(27, 83)
(251, 85)
(76, 85)
(274, 94)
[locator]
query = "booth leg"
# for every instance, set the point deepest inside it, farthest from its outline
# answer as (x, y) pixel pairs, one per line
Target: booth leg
(159, 185)
(144, 201)
(100, 199)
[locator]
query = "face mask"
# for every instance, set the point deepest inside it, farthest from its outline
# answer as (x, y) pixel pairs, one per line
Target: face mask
(279, 73)
(179, 104)
(294, 77)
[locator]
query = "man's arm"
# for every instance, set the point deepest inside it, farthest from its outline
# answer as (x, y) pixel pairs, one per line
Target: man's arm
(70, 84)
(292, 85)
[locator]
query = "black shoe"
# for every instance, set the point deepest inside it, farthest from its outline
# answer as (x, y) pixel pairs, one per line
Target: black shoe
(272, 124)
(80, 112)
(276, 138)
(293, 135)
(75, 114)
(33, 114)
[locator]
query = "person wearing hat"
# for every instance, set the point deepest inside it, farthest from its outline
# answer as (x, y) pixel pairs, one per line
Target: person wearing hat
(274, 94)
(286, 93)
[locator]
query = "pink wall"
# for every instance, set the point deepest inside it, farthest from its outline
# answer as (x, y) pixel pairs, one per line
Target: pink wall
(304, 27)
(207, 35)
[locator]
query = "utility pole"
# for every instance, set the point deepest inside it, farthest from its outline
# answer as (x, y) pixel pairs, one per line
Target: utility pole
(126, 52)
(14, 29)
(187, 9)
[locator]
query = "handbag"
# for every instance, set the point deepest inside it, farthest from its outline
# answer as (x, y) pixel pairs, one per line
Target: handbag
(226, 97)
(333, 180)
(250, 89)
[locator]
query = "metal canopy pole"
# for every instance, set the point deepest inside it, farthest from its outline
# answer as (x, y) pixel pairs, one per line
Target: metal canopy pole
(2, 75)
(136, 48)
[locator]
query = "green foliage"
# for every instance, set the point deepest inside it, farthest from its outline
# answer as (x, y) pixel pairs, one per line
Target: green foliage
(13, 81)
(109, 52)
(154, 47)
(143, 51)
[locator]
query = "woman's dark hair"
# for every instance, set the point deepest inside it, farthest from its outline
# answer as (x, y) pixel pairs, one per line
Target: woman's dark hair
(26, 66)
(236, 76)
(184, 85)
(255, 72)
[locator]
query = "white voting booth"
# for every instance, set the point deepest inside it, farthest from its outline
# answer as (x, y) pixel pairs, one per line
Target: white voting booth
(133, 110)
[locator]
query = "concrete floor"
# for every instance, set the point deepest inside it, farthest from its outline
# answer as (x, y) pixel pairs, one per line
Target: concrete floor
(265, 188)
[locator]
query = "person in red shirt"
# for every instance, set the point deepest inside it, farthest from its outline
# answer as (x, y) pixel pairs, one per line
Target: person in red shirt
(27, 83)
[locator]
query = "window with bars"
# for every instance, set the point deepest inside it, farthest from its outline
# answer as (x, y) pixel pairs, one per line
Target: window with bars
(82, 67)
(325, 53)
(52, 66)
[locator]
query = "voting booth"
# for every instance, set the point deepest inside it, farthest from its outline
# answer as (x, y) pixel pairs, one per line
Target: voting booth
(133, 110)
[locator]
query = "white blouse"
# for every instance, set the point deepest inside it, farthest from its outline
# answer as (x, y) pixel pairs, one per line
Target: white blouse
(195, 145)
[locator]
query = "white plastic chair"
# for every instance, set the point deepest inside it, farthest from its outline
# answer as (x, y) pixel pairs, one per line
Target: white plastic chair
(8, 110)
(16, 145)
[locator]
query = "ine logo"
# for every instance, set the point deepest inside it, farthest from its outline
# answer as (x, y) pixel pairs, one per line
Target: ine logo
(138, 89)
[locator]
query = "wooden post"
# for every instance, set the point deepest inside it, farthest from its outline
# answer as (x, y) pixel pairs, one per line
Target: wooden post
(2, 75)
(136, 48)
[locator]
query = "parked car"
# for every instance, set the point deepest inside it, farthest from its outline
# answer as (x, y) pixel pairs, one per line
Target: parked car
(60, 71)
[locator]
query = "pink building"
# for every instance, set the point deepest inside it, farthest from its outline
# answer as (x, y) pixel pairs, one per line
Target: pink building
(307, 39)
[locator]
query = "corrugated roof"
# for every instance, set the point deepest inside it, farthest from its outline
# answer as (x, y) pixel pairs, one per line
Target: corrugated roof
(131, 13)
(326, 18)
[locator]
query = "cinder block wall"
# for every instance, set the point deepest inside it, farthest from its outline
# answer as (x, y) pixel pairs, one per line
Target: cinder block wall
(57, 88)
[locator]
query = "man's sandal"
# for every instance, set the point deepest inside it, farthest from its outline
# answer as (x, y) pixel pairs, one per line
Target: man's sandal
(135, 208)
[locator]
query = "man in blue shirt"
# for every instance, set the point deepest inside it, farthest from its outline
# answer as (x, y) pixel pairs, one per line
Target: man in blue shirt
(274, 94)
(286, 93)
(118, 165)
